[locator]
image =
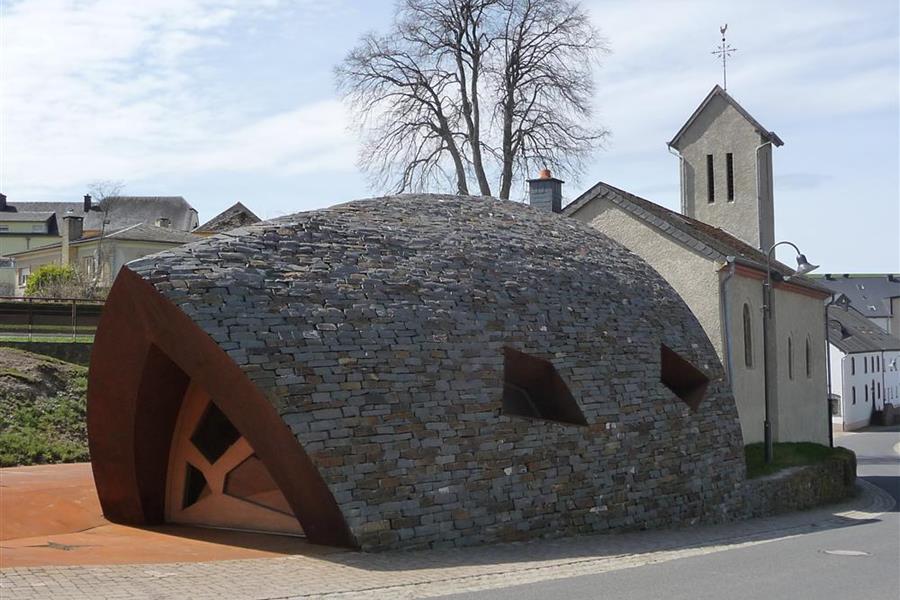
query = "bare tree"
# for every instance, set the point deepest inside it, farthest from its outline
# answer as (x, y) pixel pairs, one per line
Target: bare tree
(420, 94)
(101, 192)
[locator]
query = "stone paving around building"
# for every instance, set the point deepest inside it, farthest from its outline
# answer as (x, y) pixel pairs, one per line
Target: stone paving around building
(422, 574)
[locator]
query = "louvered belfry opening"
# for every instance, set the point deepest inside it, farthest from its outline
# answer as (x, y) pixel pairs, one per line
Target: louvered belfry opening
(532, 388)
(684, 379)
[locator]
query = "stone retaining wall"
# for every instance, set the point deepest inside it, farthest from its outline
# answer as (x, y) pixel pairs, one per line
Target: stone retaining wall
(801, 488)
(73, 352)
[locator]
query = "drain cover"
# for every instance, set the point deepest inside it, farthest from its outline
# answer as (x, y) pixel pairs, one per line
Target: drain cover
(846, 552)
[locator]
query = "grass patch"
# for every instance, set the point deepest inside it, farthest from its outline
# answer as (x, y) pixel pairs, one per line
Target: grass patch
(45, 429)
(788, 454)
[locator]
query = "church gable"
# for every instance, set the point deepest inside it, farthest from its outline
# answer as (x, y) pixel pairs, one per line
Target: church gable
(716, 103)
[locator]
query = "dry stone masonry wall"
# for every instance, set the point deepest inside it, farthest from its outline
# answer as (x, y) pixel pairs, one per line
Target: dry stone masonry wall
(377, 329)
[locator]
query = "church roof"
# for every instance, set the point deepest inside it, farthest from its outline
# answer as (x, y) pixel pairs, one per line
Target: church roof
(702, 238)
(767, 135)
(862, 335)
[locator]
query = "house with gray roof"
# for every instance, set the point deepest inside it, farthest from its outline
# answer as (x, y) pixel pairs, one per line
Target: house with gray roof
(96, 238)
(877, 296)
(864, 367)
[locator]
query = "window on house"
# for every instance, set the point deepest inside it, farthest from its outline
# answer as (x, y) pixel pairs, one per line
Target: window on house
(4, 228)
(710, 180)
(748, 338)
(879, 390)
(877, 364)
(532, 388)
(852, 365)
(867, 392)
(790, 359)
(684, 379)
(808, 361)
(853, 389)
(729, 173)
(865, 364)
(24, 272)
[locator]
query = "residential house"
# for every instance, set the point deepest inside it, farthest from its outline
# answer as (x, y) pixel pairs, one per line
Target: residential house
(98, 257)
(715, 256)
(864, 365)
(877, 297)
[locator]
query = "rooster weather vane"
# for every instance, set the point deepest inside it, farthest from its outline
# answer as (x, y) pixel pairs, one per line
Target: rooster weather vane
(724, 51)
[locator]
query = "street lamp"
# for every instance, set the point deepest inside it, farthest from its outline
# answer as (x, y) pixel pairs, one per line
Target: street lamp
(803, 267)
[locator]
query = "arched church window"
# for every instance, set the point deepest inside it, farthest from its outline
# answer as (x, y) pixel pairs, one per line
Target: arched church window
(790, 358)
(748, 338)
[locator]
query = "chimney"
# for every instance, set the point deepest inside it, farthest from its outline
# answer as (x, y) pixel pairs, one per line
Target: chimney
(545, 192)
(163, 222)
(87, 203)
(71, 230)
(2, 202)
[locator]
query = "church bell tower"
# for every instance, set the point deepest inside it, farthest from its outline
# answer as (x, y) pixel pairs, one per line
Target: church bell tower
(726, 169)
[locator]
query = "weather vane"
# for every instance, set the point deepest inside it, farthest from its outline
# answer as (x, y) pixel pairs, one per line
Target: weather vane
(724, 51)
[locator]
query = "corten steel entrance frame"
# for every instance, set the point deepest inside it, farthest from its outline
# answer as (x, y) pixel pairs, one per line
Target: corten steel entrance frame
(146, 352)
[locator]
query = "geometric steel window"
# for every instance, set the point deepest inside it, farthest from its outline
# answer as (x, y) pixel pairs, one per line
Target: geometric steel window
(250, 481)
(532, 388)
(195, 486)
(214, 434)
(215, 477)
(684, 379)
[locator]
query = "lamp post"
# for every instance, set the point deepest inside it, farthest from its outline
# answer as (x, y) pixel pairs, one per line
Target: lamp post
(769, 353)
(843, 302)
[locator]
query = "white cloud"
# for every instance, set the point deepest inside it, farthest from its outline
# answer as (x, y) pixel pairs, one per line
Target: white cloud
(106, 89)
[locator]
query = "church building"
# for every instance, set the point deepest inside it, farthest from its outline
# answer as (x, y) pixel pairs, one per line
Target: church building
(714, 253)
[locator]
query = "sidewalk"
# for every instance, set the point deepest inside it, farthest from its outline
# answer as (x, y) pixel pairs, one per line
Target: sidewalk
(400, 575)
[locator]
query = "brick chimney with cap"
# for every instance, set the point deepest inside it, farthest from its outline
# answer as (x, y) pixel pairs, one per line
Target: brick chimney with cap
(545, 192)
(87, 203)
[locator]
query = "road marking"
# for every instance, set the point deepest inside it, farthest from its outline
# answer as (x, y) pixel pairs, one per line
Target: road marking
(897, 448)
(846, 552)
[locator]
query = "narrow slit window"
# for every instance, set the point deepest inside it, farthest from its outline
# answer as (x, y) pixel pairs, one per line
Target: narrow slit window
(532, 388)
(681, 377)
(710, 180)
(729, 175)
(748, 338)
(854, 394)
(852, 366)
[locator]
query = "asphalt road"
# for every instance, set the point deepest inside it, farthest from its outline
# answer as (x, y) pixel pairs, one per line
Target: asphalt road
(855, 562)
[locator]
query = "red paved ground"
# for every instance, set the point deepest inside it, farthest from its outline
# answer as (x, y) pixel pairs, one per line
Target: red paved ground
(50, 515)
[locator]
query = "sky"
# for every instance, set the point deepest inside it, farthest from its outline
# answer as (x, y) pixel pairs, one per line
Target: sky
(228, 100)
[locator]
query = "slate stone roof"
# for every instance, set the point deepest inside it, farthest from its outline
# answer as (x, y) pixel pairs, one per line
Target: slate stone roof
(704, 239)
(870, 294)
(33, 217)
(717, 90)
(378, 328)
(864, 336)
(124, 211)
(237, 215)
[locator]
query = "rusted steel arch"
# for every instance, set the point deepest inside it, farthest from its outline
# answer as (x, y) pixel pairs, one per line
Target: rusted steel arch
(146, 351)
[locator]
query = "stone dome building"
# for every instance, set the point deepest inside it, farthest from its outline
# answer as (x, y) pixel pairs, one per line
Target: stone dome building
(405, 372)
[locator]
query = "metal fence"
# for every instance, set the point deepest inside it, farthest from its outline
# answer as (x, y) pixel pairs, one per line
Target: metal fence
(36, 318)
